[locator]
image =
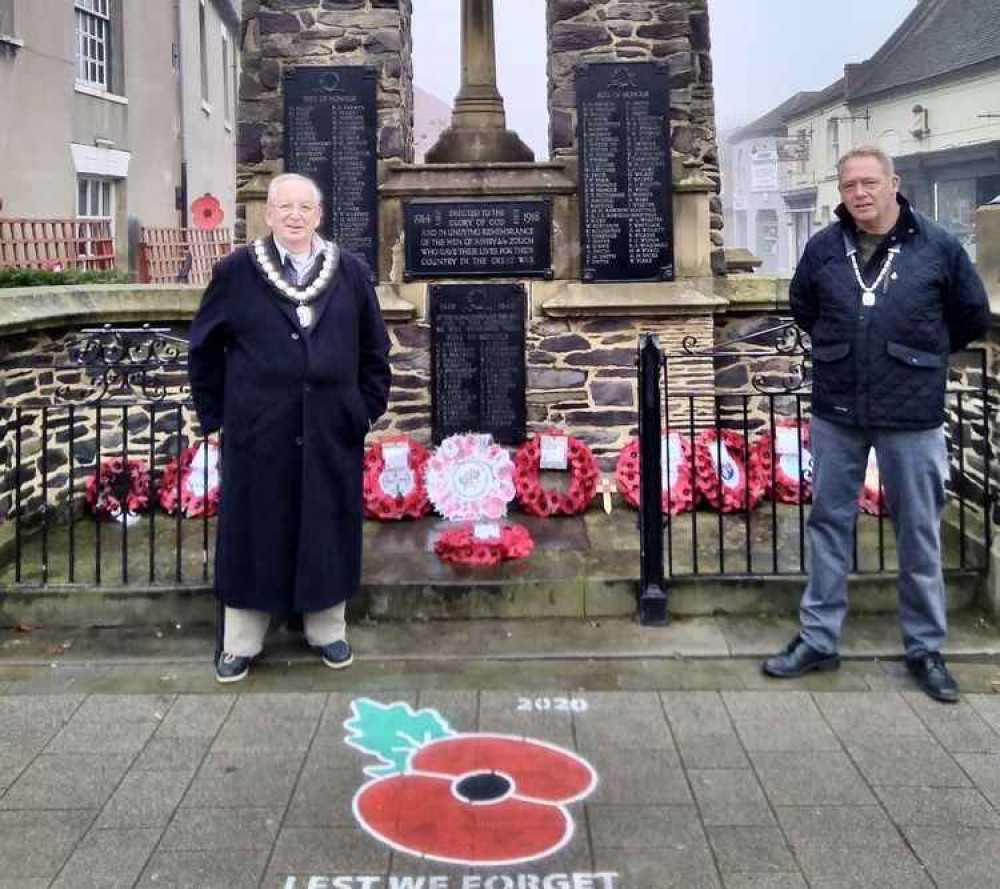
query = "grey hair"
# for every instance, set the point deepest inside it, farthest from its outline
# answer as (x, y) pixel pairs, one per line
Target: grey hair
(292, 177)
(867, 151)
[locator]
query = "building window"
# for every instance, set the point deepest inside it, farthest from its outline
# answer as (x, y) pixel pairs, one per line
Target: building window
(227, 98)
(93, 43)
(7, 23)
(95, 200)
(833, 140)
(203, 51)
(767, 233)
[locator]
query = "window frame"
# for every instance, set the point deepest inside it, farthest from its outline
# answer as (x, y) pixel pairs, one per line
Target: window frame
(228, 102)
(8, 20)
(97, 15)
(203, 57)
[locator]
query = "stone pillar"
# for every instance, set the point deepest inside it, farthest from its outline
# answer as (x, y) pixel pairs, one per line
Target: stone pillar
(478, 131)
(675, 31)
(988, 250)
(280, 33)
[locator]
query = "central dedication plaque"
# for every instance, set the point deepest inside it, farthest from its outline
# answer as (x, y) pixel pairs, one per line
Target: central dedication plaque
(626, 194)
(330, 133)
(478, 375)
(452, 239)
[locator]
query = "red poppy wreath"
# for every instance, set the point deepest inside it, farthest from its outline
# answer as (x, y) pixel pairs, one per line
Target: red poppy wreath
(394, 486)
(789, 479)
(192, 479)
(577, 459)
(461, 545)
(119, 489)
(726, 478)
(675, 466)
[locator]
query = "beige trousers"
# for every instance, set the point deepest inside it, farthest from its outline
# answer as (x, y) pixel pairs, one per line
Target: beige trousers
(245, 628)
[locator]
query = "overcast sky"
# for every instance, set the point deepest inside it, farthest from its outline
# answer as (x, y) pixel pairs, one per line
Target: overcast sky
(763, 52)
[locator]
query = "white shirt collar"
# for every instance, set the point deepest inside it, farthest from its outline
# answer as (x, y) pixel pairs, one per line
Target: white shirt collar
(302, 261)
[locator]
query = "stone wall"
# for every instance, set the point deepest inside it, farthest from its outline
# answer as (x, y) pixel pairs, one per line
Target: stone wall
(581, 377)
(674, 31)
(280, 33)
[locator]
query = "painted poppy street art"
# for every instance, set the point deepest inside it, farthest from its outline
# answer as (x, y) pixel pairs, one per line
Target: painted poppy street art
(475, 799)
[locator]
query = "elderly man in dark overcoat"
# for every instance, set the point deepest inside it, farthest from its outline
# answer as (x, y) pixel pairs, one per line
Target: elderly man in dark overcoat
(289, 356)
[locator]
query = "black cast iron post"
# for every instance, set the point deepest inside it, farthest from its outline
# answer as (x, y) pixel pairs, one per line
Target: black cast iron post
(652, 589)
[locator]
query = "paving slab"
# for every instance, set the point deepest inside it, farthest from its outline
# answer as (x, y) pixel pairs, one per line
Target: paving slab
(144, 799)
(908, 762)
(35, 844)
(67, 781)
(203, 870)
(935, 806)
(850, 846)
(237, 828)
(730, 797)
(984, 770)
(764, 881)
(107, 859)
(779, 721)
(958, 857)
(794, 778)
(244, 778)
(750, 849)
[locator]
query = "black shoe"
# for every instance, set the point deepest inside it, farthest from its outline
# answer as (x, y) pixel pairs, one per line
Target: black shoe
(337, 655)
(797, 660)
(232, 668)
(929, 670)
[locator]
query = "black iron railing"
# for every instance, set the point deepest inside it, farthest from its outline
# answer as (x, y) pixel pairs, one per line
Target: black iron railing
(766, 537)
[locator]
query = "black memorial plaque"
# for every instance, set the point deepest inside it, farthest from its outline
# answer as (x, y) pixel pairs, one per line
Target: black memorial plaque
(330, 136)
(478, 374)
(626, 194)
(452, 239)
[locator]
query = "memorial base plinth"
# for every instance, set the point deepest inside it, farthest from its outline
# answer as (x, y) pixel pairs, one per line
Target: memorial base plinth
(476, 145)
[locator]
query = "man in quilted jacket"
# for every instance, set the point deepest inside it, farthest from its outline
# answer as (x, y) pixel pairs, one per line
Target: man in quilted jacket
(885, 295)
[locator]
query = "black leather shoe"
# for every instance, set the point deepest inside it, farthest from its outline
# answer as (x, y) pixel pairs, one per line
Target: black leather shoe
(232, 667)
(797, 660)
(337, 655)
(929, 670)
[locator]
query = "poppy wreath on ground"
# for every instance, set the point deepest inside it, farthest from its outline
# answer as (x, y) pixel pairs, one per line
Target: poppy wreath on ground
(470, 478)
(473, 799)
(192, 478)
(544, 502)
(461, 546)
(727, 478)
(871, 500)
(118, 488)
(790, 478)
(675, 465)
(394, 485)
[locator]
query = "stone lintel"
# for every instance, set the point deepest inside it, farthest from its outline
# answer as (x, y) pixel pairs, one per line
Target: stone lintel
(36, 308)
(687, 181)
(487, 180)
(569, 299)
(754, 293)
(401, 302)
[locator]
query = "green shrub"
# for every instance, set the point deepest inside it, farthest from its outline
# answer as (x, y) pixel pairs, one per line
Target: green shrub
(44, 277)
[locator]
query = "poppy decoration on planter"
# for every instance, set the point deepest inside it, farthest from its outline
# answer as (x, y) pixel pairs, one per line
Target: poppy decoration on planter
(729, 478)
(394, 479)
(473, 799)
(675, 467)
(193, 479)
(469, 544)
(789, 480)
(556, 452)
(118, 490)
(872, 499)
(207, 212)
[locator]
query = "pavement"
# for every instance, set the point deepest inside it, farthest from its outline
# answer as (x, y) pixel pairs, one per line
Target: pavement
(525, 754)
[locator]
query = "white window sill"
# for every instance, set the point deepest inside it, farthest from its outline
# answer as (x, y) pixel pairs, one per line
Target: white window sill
(99, 93)
(229, 126)
(206, 108)
(10, 40)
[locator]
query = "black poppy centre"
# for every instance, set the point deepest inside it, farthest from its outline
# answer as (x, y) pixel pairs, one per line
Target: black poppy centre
(483, 787)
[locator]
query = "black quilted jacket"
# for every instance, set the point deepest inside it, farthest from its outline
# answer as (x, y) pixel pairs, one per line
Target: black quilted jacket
(885, 366)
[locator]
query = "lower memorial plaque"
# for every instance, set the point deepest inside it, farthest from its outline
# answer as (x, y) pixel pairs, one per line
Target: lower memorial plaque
(478, 375)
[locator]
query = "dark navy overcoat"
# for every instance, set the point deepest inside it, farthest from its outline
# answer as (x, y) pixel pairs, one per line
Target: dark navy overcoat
(294, 406)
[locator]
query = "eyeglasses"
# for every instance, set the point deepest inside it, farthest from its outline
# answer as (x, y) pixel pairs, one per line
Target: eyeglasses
(285, 208)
